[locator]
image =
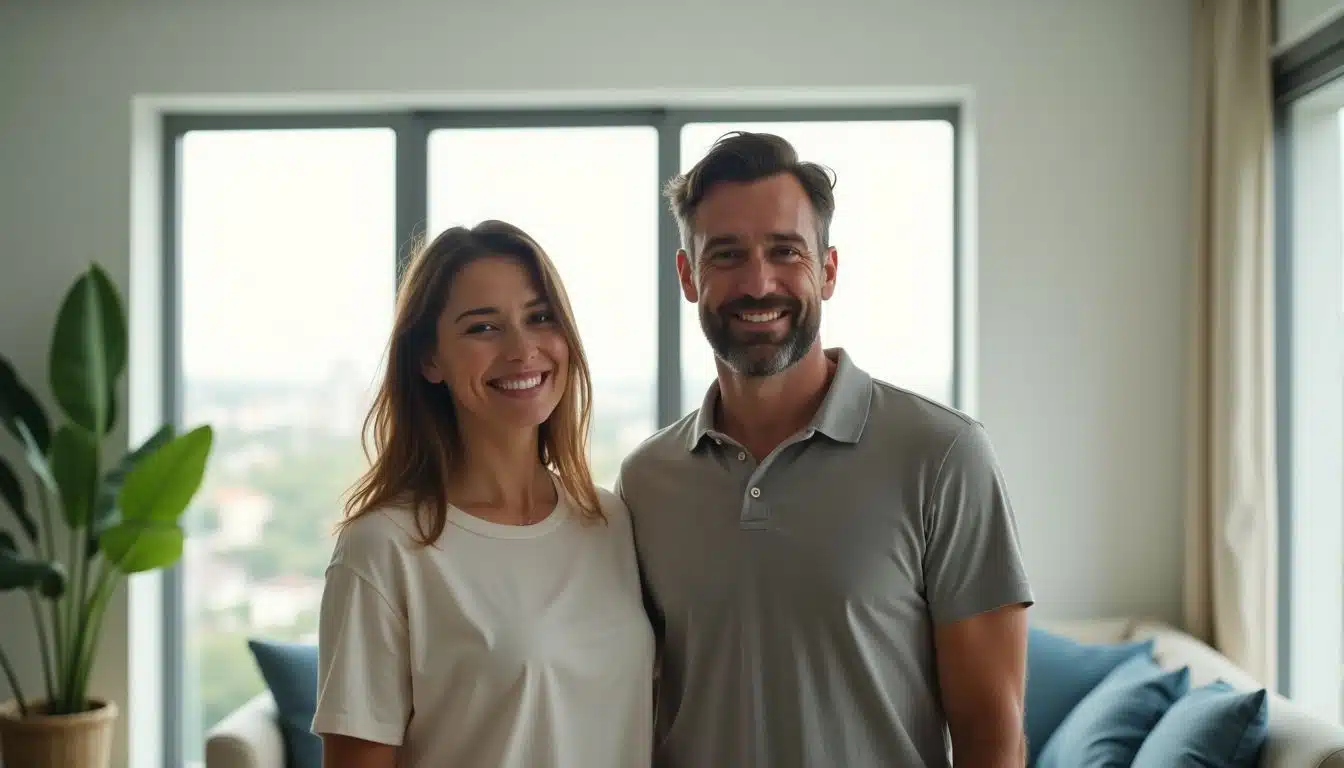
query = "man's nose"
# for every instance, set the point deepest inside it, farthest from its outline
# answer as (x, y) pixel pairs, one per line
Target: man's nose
(756, 277)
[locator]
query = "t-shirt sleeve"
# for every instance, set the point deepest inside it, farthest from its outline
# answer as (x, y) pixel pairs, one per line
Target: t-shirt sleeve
(973, 562)
(364, 682)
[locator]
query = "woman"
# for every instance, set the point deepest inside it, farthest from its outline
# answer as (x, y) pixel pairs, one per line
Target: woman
(482, 606)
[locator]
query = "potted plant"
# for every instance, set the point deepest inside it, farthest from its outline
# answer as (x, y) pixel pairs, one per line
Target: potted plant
(90, 517)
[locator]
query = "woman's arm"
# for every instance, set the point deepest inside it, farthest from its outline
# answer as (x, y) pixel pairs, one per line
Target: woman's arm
(348, 752)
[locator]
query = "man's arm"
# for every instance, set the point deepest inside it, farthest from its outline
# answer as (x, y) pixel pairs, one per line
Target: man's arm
(978, 597)
(982, 664)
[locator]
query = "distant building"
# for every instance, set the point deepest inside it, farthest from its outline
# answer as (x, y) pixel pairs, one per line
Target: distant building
(243, 514)
(281, 601)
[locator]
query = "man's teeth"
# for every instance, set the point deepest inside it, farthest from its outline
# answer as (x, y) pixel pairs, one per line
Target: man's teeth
(761, 317)
(519, 384)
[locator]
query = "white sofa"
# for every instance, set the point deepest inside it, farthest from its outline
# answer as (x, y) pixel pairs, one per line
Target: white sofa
(250, 737)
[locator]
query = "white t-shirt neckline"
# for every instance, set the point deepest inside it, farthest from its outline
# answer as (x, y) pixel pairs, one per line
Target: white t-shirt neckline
(467, 521)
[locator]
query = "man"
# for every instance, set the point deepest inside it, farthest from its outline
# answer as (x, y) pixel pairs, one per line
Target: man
(831, 562)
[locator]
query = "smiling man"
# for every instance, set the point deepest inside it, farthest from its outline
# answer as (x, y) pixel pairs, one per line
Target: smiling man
(831, 562)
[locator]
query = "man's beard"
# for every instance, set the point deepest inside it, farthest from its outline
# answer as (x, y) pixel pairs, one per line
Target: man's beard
(759, 354)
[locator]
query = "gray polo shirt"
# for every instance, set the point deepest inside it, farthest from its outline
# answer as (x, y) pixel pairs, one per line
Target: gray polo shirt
(795, 597)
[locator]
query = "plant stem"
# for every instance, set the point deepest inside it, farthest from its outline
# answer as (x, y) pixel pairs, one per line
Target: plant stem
(49, 551)
(14, 684)
(73, 603)
(88, 638)
(44, 644)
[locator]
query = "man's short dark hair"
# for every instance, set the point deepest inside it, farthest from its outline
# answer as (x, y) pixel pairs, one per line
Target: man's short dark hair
(742, 156)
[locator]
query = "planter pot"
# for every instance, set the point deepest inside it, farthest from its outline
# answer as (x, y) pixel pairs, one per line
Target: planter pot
(82, 740)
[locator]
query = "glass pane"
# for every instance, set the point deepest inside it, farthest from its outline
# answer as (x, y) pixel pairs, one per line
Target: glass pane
(893, 228)
(590, 198)
(288, 265)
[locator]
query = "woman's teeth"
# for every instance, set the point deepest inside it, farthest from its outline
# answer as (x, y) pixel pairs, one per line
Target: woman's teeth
(516, 385)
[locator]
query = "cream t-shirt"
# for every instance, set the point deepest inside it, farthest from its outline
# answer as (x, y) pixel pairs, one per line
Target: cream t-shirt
(501, 646)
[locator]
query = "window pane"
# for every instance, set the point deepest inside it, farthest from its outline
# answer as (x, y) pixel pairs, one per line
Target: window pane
(288, 264)
(1314, 377)
(893, 228)
(590, 198)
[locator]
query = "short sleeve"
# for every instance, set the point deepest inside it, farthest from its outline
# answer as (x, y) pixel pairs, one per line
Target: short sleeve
(364, 683)
(972, 560)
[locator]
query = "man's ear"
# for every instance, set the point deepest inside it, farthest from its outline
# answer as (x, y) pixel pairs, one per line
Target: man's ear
(686, 274)
(830, 264)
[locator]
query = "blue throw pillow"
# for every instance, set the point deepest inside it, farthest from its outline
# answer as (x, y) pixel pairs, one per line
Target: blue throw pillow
(1215, 726)
(1109, 725)
(1060, 672)
(290, 671)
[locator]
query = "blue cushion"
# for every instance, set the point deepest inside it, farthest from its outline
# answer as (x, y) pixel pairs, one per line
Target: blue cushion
(1215, 726)
(290, 671)
(1109, 725)
(1060, 672)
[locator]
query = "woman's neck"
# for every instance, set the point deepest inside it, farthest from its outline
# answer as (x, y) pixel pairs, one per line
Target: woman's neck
(501, 475)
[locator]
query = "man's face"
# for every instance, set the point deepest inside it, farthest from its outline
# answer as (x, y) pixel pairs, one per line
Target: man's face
(756, 273)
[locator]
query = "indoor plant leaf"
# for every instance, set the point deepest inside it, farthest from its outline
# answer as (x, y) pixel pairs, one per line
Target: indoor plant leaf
(88, 350)
(133, 546)
(105, 510)
(37, 458)
(12, 492)
(17, 404)
(18, 572)
(161, 485)
(74, 465)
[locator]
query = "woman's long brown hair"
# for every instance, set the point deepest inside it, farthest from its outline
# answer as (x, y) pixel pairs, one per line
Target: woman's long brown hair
(413, 424)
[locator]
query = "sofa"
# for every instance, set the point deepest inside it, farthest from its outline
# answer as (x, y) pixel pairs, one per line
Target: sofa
(251, 736)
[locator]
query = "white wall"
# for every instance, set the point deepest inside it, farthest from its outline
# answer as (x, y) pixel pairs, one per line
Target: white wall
(1080, 112)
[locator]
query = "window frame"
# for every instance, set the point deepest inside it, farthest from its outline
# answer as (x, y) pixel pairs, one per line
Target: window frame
(412, 129)
(1299, 69)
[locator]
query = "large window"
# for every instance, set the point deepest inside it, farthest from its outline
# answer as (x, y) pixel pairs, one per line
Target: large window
(1309, 85)
(284, 240)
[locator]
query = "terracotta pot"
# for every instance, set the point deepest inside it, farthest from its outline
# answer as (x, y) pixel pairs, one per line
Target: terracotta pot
(82, 740)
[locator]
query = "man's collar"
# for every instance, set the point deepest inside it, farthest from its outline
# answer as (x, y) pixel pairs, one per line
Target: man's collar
(841, 417)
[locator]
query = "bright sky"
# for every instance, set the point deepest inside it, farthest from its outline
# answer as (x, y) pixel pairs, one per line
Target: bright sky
(288, 241)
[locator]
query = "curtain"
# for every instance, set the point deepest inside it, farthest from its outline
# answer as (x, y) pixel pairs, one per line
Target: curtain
(1231, 511)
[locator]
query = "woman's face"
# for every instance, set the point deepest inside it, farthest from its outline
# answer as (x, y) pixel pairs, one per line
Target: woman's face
(500, 349)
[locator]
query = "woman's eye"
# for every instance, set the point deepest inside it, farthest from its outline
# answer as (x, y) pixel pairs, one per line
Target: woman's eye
(480, 328)
(543, 317)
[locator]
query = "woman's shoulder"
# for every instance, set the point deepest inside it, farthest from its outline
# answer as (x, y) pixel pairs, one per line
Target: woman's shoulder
(613, 508)
(375, 537)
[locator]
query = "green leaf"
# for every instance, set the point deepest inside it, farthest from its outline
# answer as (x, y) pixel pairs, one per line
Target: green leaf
(88, 350)
(74, 465)
(133, 546)
(162, 484)
(105, 510)
(12, 492)
(37, 459)
(18, 572)
(18, 405)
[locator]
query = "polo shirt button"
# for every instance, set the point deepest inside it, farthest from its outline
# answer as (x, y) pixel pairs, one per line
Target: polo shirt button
(742, 456)
(755, 493)
(717, 441)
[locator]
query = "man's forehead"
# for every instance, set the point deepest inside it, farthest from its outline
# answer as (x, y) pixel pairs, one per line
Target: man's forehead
(762, 210)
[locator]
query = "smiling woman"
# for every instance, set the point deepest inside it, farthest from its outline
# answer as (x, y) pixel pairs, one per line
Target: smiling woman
(482, 605)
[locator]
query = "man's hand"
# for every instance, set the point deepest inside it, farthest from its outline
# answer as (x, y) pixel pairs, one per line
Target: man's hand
(982, 666)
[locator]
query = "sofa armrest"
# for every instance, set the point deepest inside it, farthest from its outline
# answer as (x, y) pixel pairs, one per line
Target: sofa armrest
(249, 737)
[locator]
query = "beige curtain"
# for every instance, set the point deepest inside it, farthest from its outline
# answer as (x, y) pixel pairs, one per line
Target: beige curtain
(1231, 514)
